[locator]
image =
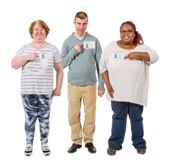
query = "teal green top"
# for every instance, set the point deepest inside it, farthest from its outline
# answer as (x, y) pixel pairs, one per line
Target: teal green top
(83, 65)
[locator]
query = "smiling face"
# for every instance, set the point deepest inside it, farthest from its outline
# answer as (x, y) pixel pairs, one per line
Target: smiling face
(127, 34)
(38, 33)
(80, 26)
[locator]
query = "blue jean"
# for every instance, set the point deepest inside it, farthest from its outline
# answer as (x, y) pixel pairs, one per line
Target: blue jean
(119, 119)
(37, 107)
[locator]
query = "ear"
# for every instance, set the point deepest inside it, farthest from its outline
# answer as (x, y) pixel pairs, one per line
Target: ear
(74, 21)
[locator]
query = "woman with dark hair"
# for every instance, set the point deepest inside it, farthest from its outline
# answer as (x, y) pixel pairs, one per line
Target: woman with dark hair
(124, 66)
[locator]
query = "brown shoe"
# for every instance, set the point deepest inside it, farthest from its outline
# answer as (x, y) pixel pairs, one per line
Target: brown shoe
(141, 150)
(111, 151)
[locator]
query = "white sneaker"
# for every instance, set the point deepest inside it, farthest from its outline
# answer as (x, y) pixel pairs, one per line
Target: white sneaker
(45, 149)
(28, 150)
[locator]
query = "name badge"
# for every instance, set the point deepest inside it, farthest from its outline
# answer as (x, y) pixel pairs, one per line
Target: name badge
(119, 54)
(89, 44)
(40, 54)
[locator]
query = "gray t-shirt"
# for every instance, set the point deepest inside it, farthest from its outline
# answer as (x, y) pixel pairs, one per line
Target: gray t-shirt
(37, 76)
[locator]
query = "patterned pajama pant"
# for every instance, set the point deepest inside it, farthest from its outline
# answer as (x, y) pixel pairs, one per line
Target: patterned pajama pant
(37, 106)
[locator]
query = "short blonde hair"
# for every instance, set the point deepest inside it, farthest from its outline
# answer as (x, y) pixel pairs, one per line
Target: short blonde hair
(43, 25)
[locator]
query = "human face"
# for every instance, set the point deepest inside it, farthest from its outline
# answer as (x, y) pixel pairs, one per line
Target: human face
(80, 26)
(127, 34)
(39, 33)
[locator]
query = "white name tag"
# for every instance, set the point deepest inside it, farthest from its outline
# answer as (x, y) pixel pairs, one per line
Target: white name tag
(89, 44)
(119, 54)
(40, 54)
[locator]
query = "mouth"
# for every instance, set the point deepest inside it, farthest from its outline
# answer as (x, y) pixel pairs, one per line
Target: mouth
(126, 38)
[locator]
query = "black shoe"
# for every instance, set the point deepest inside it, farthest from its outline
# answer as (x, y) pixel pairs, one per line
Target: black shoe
(74, 148)
(90, 147)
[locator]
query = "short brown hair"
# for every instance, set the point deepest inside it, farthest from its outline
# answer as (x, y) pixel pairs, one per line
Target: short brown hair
(81, 15)
(43, 25)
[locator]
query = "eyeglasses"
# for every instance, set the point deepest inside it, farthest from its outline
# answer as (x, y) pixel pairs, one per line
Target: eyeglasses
(126, 31)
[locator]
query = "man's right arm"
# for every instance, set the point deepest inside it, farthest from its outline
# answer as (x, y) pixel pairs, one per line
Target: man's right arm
(67, 55)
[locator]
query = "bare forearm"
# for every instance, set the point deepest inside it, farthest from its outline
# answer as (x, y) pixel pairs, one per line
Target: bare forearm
(138, 56)
(18, 61)
(59, 79)
(144, 56)
(59, 75)
(106, 78)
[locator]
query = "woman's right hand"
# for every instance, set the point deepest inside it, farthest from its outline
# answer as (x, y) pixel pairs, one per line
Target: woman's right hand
(32, 57)
(110, 91)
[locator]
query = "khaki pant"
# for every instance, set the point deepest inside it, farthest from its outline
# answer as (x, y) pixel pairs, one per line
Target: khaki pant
(87, 94)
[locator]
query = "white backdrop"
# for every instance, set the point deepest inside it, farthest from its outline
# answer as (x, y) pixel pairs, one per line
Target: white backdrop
(154, 20)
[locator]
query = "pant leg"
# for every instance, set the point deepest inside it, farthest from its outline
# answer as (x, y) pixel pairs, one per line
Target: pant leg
(30, 109)
(119, 118)
(44, 104)
(89, 100)
(74, 105)
(135, 115)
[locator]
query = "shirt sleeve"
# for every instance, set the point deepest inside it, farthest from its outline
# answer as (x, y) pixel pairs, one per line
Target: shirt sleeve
(57, 56)
(152, 53)
(20, 51)
(67, 55)
(98, 57)
(103, 61)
